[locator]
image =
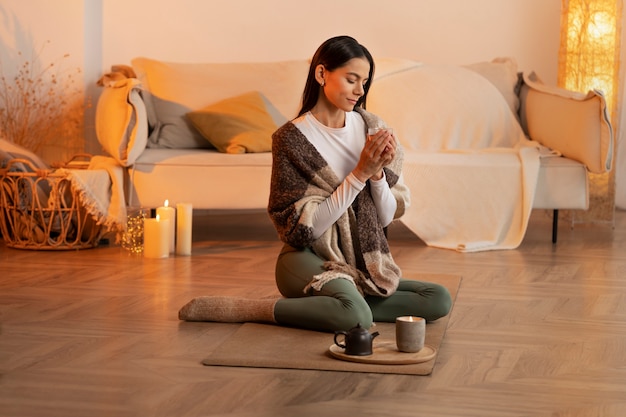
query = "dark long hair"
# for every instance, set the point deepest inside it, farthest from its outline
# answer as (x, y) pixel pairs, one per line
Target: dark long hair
(332, 54)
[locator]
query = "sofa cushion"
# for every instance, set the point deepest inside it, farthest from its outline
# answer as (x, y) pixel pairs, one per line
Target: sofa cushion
(435, 107)
(178, 171)
(178, 88)
(562, 184)
(121, 121)
(237, 125)
(575, 124)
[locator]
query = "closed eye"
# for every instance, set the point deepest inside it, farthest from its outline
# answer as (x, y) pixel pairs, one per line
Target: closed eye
(351, 81)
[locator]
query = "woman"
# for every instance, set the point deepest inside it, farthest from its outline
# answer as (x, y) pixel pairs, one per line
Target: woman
(334, 189)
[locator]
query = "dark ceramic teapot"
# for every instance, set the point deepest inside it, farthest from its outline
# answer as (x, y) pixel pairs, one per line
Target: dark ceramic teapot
(357, 341)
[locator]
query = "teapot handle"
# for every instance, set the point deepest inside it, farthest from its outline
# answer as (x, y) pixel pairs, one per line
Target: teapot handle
(344, 333)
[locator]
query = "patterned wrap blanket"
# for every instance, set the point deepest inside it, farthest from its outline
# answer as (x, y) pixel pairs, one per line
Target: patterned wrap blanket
(355, 247)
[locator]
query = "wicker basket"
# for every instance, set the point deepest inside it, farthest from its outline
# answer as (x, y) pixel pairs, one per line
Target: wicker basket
(39, 210)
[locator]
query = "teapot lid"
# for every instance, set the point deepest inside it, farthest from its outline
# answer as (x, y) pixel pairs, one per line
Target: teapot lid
(358, 329)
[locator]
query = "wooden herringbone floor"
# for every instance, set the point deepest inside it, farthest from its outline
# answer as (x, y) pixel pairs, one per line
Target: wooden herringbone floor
(537, 331)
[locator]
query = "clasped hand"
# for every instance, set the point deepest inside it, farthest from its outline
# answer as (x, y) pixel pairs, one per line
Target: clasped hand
(379, 151)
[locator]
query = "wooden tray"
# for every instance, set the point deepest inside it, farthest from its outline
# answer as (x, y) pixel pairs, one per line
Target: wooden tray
(386, 353)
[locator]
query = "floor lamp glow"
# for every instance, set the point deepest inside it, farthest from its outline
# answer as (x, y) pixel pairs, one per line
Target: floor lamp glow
(589, 58)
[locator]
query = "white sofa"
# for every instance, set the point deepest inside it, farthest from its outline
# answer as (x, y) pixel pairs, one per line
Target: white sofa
(434, 109)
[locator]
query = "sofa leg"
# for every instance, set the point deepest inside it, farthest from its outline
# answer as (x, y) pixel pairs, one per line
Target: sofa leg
(555, 224)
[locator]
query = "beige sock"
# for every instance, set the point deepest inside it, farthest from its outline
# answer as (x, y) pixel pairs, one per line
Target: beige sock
(228, 310)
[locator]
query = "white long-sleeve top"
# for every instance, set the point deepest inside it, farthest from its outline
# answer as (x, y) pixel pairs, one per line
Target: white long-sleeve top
(341, 148)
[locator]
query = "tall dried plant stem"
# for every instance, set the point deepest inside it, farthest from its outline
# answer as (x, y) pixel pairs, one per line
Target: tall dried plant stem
(40, 105)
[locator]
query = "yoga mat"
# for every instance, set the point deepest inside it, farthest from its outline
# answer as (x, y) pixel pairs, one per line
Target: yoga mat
(271, 346)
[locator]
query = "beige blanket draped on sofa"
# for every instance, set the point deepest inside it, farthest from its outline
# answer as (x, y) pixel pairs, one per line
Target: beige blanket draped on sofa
(471, 201)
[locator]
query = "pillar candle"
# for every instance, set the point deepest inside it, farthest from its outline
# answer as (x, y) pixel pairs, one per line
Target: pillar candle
(183, 228)
(168, 213)
(410, 333)
(155, 234)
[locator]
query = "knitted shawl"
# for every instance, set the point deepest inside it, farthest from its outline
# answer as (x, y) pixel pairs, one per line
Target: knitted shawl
(355, 247)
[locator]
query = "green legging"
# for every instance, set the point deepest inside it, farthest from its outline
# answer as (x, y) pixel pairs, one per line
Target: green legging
(339, 305)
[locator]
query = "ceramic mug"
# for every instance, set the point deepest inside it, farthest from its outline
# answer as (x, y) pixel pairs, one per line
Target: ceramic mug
(410, 333)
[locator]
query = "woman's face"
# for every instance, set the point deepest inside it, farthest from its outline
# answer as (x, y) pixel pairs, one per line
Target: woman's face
(344, 86)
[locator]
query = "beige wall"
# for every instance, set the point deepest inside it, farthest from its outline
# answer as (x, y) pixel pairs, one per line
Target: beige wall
(101, 33)
(450, 31)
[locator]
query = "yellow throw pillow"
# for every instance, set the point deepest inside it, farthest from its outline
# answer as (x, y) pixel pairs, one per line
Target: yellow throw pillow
(237, 125)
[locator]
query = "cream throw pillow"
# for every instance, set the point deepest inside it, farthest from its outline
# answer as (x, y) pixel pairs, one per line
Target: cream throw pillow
(503, 74)
(575, 124)
(121, 121)
(241, 124)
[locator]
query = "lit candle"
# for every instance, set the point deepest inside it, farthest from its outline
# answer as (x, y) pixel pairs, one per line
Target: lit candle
(155, 242)
(183, 228)
(410, 333)
(168, 213)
